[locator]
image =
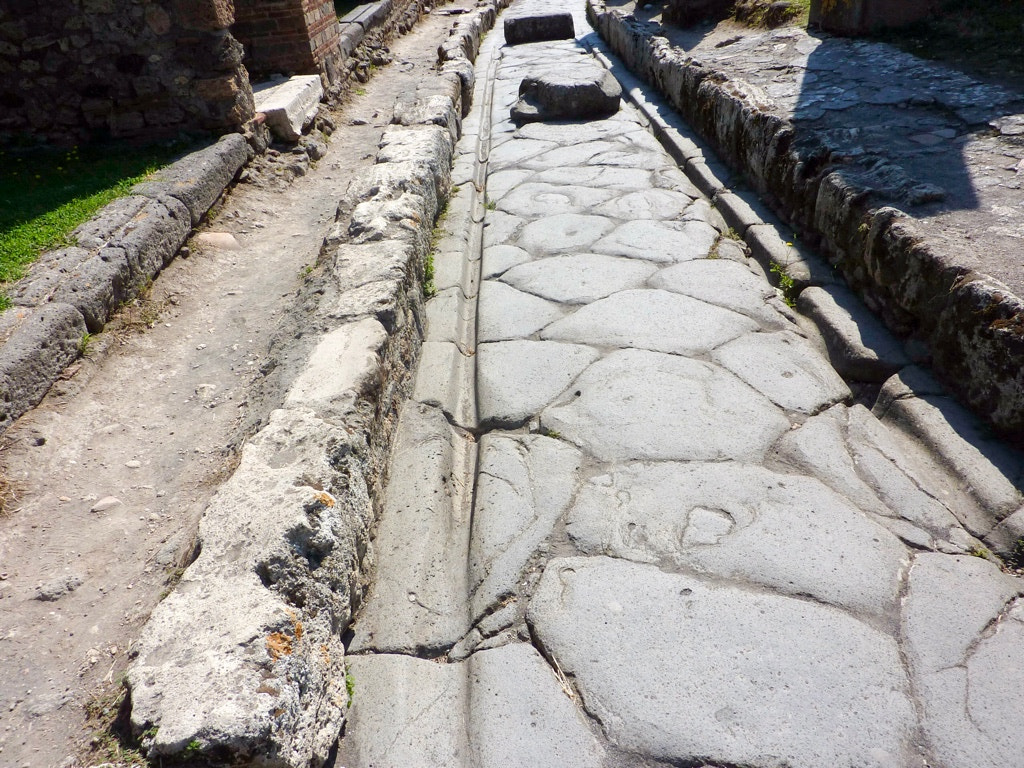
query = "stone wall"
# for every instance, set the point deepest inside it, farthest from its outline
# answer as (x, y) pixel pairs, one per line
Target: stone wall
(856, 17)
(686, 12)
(289, 37)
(95, 69)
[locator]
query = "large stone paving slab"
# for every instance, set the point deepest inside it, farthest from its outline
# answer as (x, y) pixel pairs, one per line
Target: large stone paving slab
(539, 199)
(651, 319)
(726, 284)
(965, 659)
(516, 379)
(705, 672)
(521, 716)
(648, 204)
(664, 242)
(524, 483)
(578, 279)
(506, 313)
(786, 368)
(563, 232)
(636, 404)
(744, 523)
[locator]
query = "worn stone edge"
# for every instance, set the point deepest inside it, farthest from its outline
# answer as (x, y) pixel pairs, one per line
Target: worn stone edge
(361, 416)
(973, 325)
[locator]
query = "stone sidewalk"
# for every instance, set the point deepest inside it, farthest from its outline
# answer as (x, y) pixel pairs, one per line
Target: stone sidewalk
(635, 518)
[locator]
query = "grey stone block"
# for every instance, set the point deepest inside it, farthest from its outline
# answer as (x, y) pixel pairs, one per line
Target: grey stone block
(651, 319)
(49, 271)
(97, 287)
(741, 684)
(151, 239)
(859, 345)
(42, 342)
(737, 212)
(199, 178)
(543, 370)
(525, 483)
(704, 412)
(535, 29)
(290, 105)
(741, 521)
(962, 660)
(579, 93)
(406, 712)
(417, 602)
(786, 368)
(279, 572)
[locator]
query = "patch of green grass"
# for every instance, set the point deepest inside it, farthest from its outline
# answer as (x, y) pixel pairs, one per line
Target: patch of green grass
(732, 234)
(45, 193)
(977, 551)
(491, 205)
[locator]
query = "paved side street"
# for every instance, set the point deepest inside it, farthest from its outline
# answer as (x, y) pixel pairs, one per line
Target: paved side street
(633, 519)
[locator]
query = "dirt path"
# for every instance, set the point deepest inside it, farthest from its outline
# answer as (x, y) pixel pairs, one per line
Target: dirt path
(110, 474)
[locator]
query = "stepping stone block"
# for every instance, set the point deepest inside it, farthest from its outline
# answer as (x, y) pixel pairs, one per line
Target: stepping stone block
(289, 105)
(576, 93)
(534, 29)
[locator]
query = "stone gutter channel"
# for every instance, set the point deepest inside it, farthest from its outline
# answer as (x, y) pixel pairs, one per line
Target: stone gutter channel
(245, 659)
(972, 324)
(72, 291)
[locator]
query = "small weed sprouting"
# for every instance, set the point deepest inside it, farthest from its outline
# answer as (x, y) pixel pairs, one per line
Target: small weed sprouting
(554, 433)
(192, 750)
(786, 283)
(350, 687)
(731, 234)
(360, 91)
(490, 205)
(429, 289)
(84, 344)
(977, 551)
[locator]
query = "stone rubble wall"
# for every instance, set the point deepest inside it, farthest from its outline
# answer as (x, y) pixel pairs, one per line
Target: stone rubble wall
(95, 69)
(973, 324)
(284, 545)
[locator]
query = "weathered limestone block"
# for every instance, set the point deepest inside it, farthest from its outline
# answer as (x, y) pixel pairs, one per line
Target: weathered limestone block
(289, 106)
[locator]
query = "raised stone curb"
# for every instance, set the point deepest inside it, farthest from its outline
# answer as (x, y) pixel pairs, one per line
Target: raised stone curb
(285, 544)
(972, 323)
(118, 252)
